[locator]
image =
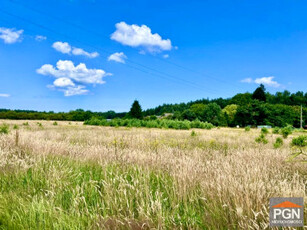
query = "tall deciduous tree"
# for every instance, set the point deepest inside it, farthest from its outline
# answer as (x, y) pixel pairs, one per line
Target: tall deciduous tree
(136, 110)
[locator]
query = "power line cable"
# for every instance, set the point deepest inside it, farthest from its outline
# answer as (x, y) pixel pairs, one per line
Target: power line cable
(160, 73)
(98, 34)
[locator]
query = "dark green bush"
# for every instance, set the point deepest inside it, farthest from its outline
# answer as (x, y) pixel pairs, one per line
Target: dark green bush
(300, 141)
(264, 130)
(275, 130)
(286, 131)
(261, 139)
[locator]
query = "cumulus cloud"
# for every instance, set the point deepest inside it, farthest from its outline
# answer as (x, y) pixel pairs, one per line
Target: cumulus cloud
(268, 81)
(79, 73)
(69, 78)
(76, 90)
(40, 38)
(4, 95)
(10, 36)
(62, 47)
(117, 57)
(140, 36)
(63, 82)
(79, 51)
(66, 48)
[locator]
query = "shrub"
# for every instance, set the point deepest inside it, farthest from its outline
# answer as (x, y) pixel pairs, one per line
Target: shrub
(261, 139)
(275, 130)
(247, 128)
(92, 121)
(300, 141)
(26, 124)
(55, 123)
(193, 133)
(184, 125)
(278, 143)
(39, 124)
(165, 123)
(264, 130)
(153, 117)
(15, 127)
(4, 129)
(286, 131)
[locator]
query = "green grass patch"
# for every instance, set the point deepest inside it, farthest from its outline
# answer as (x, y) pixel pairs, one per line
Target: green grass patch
(61, 193)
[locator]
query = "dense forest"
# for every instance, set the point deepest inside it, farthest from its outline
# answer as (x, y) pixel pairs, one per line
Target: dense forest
(257, 108)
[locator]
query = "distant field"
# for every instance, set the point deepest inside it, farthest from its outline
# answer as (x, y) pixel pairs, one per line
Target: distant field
(66, 175)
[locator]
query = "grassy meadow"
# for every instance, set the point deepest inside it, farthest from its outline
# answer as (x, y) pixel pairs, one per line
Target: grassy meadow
(66, 175)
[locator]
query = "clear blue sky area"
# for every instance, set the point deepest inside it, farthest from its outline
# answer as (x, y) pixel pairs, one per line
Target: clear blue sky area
(101, 55)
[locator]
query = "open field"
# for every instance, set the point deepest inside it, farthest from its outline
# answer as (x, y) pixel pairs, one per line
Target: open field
(71, 176)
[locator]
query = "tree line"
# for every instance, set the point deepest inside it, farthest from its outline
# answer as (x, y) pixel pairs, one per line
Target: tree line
(243, 109)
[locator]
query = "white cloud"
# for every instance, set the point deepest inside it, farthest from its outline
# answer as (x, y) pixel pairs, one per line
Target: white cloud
(63, 82)
(10, 36)
(62, 47)
(79, 51)
(268, 81)
(40, 38)
(165, 56)
(69, 77)
(66, 48)
(4, 95)
(117, 57)
(140, 36)
(76, 90)
(247, 80)
(79, 73)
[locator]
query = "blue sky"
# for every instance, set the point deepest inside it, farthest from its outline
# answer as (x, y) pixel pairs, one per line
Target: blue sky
(101, 55)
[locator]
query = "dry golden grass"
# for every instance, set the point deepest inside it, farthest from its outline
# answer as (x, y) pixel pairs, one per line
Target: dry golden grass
(224, 169)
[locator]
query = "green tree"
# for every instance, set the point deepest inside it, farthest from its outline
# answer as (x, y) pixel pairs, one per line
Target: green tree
(212, 113)
(259, 93)
(231, 111)
(188, 115)
(136, 110)
(198, 109)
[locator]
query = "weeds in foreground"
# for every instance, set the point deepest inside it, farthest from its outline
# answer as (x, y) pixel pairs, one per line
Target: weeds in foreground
(278, 142)
(4, 129)
(286, 131)
(264, 130)
(299, 143)
(262, 139)
(91, 191)
(276, 130)
(193, 133)
(87, 177)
